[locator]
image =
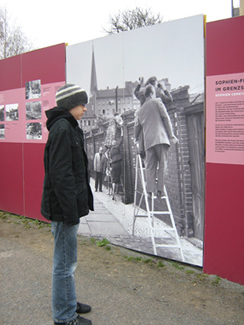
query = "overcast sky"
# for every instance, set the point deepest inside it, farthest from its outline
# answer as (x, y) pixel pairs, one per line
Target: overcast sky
(50, 22)
(129, 55)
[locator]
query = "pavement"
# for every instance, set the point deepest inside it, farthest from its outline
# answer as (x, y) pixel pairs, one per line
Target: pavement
(113, 220)
(120, 290)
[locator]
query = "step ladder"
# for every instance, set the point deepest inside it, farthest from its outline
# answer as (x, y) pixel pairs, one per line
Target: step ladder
(150, 214)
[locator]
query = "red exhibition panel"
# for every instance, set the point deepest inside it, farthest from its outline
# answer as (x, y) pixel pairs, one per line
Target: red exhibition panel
(225, 45)
(47, 64)
(27, 88)
(224, 214)
(33, 179)
(11, 189)
(224, 224)
(10, 72)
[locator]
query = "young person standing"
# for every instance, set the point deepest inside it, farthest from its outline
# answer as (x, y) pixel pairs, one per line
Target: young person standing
(66, 198)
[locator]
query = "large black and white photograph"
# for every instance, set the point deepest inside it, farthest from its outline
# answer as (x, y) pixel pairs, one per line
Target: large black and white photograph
(1, 113)
(12, 112)
(33, 89)
(34, 131)
(2, 131)
(33, 110)
(144, 136)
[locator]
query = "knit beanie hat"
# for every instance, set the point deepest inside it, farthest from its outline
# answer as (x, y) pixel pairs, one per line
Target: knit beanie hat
(69, 96)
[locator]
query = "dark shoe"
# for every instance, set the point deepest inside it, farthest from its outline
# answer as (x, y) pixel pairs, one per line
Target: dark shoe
(82, 308)
(142, 154)
(100, 190)
(77, 321)
(161, 194)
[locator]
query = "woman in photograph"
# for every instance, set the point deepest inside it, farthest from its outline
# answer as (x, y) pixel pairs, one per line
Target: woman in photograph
(116, 159)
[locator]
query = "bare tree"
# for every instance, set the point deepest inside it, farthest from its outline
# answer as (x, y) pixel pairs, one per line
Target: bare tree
(132, 19)
(12, 39)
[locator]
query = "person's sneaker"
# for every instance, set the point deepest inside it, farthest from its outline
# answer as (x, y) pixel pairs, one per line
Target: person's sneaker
(77, 321)
(82, 308)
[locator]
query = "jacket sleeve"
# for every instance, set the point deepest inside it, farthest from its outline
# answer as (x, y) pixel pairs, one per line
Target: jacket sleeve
(164, 95)
(138, 129)
(61, 175)
(166, 119)
(137, 90)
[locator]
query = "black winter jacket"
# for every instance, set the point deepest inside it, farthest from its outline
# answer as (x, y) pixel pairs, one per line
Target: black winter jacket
(66, 194)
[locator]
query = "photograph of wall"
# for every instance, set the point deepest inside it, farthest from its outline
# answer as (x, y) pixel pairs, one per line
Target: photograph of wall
(33, 110)
(33, 89)
(12, 112)
(2, 131)
(112, 70)
(1, 113)
(34, 131)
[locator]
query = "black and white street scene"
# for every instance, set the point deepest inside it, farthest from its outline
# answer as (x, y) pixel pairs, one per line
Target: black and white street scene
(33, 89)
(1, 113)
(12, 112)
(34, 131)
(146, 117)
(2, 131)
(33, 110)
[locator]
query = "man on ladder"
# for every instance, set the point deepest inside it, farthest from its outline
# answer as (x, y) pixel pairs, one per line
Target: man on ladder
(154, 122)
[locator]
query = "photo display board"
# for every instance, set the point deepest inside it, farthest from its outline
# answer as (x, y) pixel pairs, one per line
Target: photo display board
(22, 112)
(224, 222)
(27, 88)
(111, 69)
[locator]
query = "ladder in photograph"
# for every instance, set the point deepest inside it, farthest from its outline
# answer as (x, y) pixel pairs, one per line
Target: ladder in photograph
(150, 213)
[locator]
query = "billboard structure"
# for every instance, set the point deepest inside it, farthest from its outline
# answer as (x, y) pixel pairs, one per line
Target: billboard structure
(114, 70)
(111, 69)
(27, 88)
(224, 222)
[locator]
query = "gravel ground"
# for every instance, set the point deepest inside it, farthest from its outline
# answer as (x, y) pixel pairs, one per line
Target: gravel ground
(123, 287)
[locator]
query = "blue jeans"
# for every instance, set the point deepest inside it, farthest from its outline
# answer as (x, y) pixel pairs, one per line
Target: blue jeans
(64, 301)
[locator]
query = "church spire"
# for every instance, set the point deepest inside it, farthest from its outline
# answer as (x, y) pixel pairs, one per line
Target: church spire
(93, 87)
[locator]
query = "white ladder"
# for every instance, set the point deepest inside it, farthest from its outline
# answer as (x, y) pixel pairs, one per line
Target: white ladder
(150, 214)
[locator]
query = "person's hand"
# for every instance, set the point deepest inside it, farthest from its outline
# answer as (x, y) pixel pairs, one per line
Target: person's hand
(141, 79)
(174, 140)
(161, 85)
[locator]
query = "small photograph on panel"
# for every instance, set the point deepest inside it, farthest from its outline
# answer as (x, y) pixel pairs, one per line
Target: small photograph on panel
(34, 131)
(12, 112)
(2, 131)
(33, 110)
(33, 89)
(1, 112)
